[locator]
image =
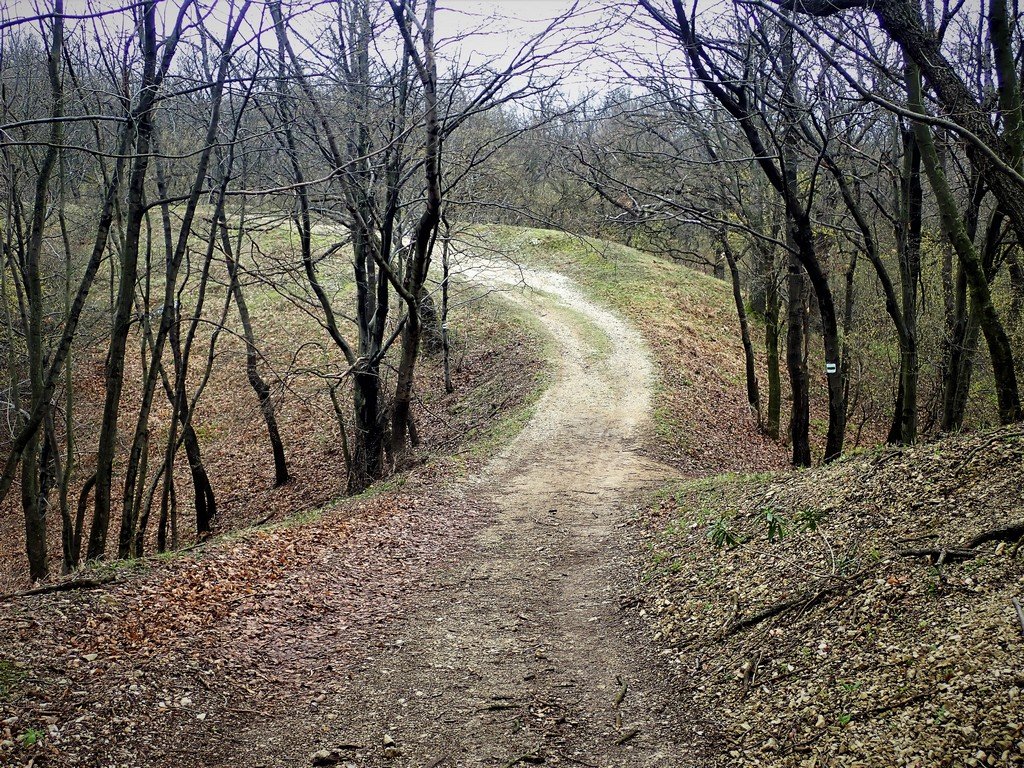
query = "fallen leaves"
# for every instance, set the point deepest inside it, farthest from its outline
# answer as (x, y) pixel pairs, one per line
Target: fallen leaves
(178, 654)
(900, 661)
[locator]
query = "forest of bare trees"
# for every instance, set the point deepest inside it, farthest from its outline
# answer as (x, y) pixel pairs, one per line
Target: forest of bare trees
(852, 168)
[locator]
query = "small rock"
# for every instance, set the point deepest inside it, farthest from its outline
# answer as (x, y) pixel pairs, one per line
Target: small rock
(326, 757)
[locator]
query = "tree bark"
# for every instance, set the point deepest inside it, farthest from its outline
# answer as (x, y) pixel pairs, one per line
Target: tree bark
(771, 343)
(908, 239)
(430, 218)
(1000, 350)
(114, 374)
(753, 393)
(796, 363)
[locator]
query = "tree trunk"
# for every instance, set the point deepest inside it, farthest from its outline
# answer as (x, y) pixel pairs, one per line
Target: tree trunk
(801, 235)
(258, 384)
(957, 387)
(205, 502)
(771, 344)
(33, 485)
(426, 228)
(845, 363)
(1000, 350)
(368, 448)
(1016, 285)
(796, 363)
(908, 239)
(401, 412)
(126, 291)
(753, 394)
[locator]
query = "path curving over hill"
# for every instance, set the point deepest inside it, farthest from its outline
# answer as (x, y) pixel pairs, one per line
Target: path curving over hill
(487, 621)
(523, 652)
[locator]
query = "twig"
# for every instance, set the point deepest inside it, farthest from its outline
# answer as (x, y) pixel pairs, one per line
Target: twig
(978, 448)
(1009, 533)
(1020, 611)
(576, 760)
(802, 601)
(922, 537)
(243, 711)
(940, 556)
(806, 600)
(526, 757)
(622, 691)
(895, 705)
(751, 672)
(891, 454)
(632, 733)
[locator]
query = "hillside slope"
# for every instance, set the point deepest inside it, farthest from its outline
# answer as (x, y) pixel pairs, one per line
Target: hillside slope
(860, 614)
(172, 654)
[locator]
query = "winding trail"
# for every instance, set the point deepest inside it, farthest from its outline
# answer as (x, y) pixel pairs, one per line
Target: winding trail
(481, 622)
(523, 654)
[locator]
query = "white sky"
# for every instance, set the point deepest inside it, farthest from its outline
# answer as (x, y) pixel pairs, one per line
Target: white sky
(480, 30)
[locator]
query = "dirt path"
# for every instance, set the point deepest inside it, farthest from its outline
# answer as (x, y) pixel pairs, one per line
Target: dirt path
(522, 652)
(486, 622)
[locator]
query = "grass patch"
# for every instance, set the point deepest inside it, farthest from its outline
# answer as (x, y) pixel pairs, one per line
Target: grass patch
(11, 676)
(488, 440)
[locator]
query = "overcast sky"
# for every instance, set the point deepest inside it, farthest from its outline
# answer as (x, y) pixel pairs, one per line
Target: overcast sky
(477, 29)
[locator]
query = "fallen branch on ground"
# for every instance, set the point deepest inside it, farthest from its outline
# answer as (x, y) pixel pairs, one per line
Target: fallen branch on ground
(1009, 533)
(895, 705)
(632, 733)
(64, 586)
(803, 601)
(940, 556)
(1020, 611)
(979, 448)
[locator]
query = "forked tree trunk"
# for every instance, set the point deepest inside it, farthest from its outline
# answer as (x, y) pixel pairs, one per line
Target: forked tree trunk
(256, 381)
(426, 228)
(1000, 349)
